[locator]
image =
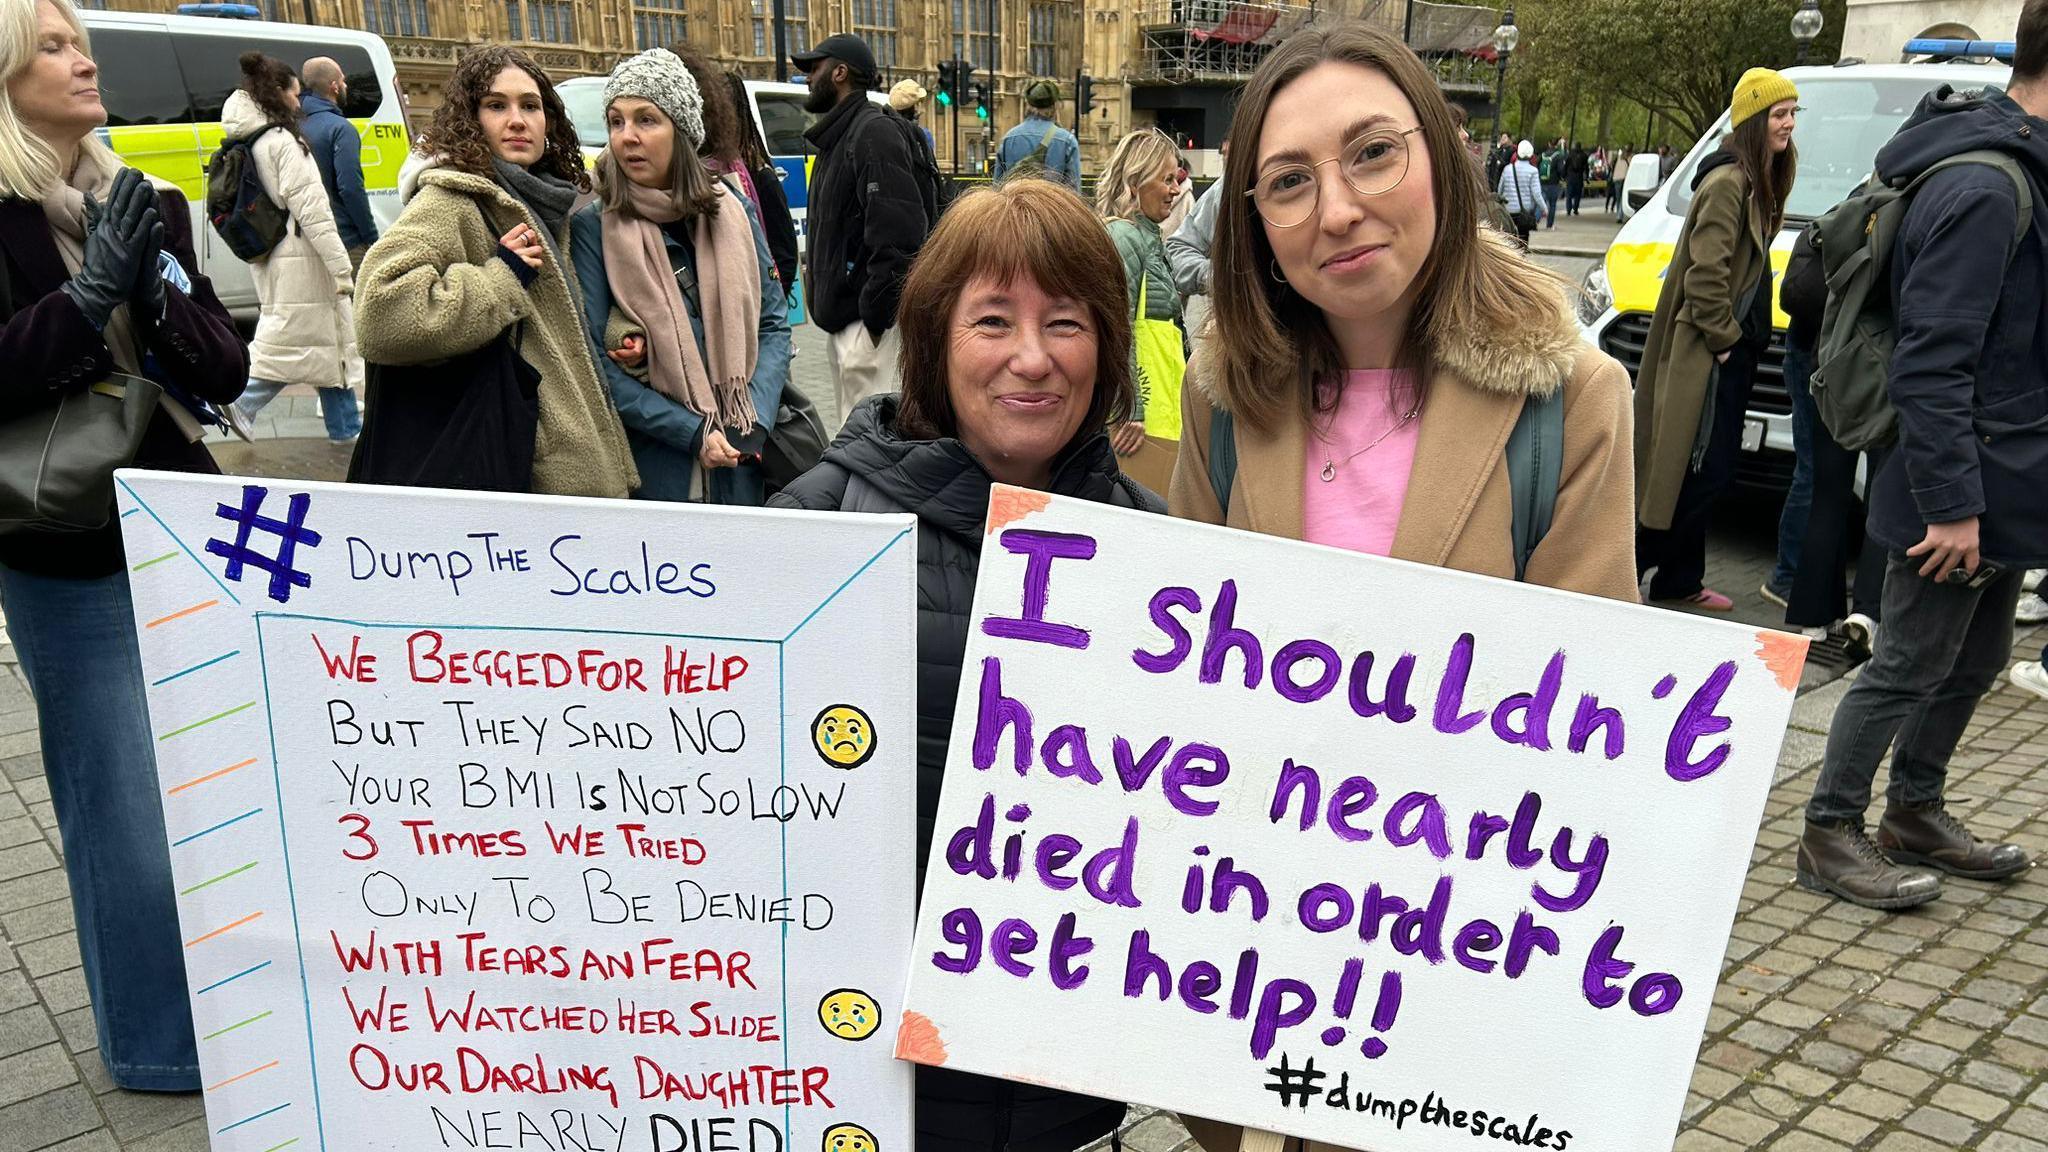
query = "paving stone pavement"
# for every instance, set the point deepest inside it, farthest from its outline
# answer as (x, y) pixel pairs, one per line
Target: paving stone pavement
(1833, 1028)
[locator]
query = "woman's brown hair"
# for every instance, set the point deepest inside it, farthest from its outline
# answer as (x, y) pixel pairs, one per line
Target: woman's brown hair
(457, 136)
(1021, 228)
(1271, 348)
(268, 81)
(692, 189)
(1770, 177)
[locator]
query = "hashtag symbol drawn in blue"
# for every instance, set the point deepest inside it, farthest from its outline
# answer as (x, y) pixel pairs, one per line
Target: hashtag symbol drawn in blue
(290, 532)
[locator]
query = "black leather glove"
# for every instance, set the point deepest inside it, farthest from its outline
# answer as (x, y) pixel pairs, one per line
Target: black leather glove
(148, 298)
(116, 237)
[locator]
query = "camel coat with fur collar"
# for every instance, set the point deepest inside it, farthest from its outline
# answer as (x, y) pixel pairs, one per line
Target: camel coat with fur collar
(1459, 509)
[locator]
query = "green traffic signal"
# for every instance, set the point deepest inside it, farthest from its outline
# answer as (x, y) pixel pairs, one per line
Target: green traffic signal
(981, 111)
(945, 98)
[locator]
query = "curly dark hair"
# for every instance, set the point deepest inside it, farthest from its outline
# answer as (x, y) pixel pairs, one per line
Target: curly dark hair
(721, 123)
(457, 135)
(268, 81)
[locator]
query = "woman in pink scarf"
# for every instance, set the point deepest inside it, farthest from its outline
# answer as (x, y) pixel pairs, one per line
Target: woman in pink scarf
(674, 264)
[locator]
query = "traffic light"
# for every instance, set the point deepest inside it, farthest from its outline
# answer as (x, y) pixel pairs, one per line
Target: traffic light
(1084, 94)
(978, 92)
(949, 81)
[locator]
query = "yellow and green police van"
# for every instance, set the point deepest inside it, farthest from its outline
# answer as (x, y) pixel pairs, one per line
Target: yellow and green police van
(165, 78)
(1847, 112)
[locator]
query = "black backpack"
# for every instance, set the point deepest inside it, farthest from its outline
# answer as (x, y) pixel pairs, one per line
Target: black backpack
(932, 192)
(244, 215)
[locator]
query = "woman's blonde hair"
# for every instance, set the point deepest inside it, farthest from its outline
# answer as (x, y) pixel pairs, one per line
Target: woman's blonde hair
(1137, 158)
(28, 165)
(1271, 349)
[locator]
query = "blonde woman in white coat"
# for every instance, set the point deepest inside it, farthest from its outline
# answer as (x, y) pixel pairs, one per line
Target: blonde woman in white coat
(306, 333)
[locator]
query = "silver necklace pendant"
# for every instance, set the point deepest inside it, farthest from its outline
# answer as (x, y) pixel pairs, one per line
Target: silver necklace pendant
(1330, 466)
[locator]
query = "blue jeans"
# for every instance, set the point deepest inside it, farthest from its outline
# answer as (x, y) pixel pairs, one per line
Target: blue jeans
(1799, 500)
(76, 640)
(1941, 648)
(338, 407)
(1552, 193)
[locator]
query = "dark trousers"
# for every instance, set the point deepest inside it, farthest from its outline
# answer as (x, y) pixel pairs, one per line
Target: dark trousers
(1679, 553)
(1574, 191)
(1941, 648)
(1831, 526)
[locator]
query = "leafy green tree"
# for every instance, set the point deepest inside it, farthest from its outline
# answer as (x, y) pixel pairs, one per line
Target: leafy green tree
(1677, 58)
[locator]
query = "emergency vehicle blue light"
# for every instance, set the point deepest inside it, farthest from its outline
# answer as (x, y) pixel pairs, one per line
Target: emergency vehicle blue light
(1995, 49)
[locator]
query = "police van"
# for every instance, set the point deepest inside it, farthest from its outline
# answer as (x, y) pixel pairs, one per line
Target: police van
(164, 80)
(1847, 112)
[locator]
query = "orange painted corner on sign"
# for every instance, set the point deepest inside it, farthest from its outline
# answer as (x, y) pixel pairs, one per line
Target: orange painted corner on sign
(1784, 653)
(1007, 505)
(918, 1040)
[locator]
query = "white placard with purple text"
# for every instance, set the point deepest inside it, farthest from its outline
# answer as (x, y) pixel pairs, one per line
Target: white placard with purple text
(531, 822)
(1379, 854)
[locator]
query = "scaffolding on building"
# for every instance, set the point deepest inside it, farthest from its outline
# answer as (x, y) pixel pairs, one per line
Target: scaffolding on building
(1193, 41)
(1196, 41)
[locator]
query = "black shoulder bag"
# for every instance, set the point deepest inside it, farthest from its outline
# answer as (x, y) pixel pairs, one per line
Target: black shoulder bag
(467, 422)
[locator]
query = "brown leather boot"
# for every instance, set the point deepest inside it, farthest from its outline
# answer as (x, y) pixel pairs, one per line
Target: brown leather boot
(1926, 834)
(1840, 859)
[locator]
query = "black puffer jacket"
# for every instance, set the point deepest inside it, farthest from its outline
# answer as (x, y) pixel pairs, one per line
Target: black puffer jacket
(869, 468)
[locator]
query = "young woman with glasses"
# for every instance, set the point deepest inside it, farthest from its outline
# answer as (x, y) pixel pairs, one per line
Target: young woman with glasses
(1375, 343)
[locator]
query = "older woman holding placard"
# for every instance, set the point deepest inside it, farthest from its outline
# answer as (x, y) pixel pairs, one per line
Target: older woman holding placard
(1016, 358)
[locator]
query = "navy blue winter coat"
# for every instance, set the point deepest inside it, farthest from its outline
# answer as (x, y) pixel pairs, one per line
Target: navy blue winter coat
(338, 151)
(1970, 374)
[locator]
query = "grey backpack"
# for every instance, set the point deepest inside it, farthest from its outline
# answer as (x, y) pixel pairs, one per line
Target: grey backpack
(1858, 331)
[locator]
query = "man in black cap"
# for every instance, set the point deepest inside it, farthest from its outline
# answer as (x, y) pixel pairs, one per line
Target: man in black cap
(869, 214)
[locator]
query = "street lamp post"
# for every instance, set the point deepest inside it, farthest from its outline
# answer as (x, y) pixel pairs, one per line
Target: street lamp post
(781, 45)
(1505, 37)
(1806, 26)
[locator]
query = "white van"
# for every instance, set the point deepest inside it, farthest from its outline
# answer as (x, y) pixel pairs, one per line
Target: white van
(1848, 112)
(164, 80)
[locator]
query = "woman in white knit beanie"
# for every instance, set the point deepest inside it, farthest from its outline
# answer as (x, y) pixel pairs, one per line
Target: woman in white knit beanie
(678, 281)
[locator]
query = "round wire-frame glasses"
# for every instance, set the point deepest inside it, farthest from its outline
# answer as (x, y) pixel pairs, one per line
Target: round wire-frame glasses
(1373, 163)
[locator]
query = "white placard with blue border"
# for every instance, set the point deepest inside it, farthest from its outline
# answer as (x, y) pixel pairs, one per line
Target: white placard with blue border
(509, 821)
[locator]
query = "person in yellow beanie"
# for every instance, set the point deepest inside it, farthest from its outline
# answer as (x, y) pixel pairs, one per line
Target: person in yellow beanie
(1713, 322)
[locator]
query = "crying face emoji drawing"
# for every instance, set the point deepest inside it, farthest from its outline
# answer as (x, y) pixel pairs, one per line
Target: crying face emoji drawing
(844, 736)
(849, 1014)
(849, 1138)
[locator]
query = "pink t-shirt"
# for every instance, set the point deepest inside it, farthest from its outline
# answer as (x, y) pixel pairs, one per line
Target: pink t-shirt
(1360, 506)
